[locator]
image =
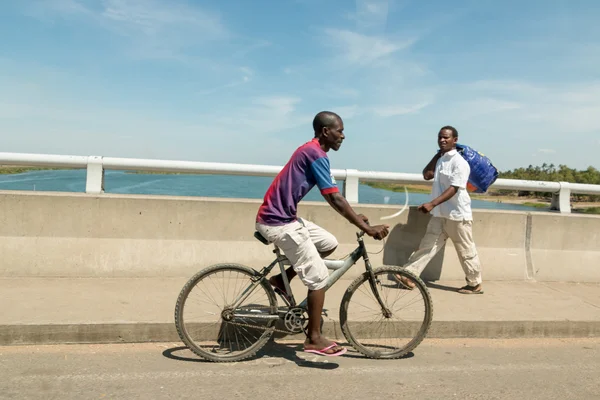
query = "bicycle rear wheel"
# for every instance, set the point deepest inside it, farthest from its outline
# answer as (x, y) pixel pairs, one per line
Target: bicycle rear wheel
(209, 325)
(369, 330)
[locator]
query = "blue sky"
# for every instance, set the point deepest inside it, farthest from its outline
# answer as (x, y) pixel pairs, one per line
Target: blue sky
(240, 81)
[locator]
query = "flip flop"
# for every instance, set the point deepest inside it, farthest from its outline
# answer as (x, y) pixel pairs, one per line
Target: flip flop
(469, 290)
(322, 352)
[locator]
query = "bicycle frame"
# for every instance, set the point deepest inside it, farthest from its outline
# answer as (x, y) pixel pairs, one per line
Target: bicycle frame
(339, 267)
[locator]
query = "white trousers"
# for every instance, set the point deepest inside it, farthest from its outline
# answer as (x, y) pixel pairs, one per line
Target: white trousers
(461, 234)
(301, 241)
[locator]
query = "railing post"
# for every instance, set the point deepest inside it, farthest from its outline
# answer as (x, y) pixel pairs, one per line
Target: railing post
(561, 201)
(351, 186)
(95, 175)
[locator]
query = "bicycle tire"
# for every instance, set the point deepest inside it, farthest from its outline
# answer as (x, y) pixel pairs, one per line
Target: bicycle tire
(414, 342)
(180, 305)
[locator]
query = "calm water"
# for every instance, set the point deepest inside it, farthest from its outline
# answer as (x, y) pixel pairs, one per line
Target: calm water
(200, 185)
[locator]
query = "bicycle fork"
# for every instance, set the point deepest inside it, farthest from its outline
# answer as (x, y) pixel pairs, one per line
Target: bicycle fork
(373, 282)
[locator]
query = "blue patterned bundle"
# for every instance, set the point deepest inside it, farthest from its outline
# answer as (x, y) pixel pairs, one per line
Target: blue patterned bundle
(483, 173)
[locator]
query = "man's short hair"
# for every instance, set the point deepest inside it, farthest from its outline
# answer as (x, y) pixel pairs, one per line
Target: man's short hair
(451, 129)
(324, 119)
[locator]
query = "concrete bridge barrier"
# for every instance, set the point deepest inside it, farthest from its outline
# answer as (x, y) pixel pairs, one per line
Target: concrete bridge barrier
(83, 235)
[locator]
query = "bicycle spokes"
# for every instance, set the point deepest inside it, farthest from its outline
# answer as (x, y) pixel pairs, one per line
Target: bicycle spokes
(225, 314)
(393, 329)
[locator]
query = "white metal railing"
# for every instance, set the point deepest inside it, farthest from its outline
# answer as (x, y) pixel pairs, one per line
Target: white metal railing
(96, 165)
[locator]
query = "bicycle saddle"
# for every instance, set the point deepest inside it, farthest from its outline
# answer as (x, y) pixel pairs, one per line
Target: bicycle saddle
(260, 238)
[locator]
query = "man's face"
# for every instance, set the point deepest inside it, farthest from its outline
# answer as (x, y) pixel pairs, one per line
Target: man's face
(446, 141)
(334, 135)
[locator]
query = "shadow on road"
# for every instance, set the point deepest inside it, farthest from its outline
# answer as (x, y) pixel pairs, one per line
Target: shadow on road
(358, 355)
(276, 354)
(170, 353)
(273, 354)
(440, 287)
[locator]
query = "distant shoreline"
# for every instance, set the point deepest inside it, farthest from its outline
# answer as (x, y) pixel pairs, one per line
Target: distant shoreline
(16, 169)
(491, 196)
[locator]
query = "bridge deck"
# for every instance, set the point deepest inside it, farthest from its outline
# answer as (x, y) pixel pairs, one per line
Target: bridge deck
(59, 310)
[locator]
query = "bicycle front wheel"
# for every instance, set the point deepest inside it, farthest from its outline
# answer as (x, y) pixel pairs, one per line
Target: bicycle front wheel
(223, 315)
(391, 332)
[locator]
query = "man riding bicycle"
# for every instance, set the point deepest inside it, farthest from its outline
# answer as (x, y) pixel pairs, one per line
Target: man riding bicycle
(304, 243)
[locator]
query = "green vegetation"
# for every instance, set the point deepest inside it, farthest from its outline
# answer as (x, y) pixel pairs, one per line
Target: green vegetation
(590, 210)
(395, 187)
(157, 173)
(548, 172)
(537, 205)
(6, 170)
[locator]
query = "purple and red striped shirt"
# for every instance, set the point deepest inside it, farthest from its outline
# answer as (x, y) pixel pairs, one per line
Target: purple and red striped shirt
(308, 166)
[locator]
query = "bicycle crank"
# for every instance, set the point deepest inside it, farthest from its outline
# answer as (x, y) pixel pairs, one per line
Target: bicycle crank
(296, 320)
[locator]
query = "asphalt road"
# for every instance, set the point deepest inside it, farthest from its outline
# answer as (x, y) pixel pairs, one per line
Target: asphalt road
(461, 368)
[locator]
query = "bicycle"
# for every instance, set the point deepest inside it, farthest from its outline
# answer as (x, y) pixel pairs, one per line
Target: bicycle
(257, 321)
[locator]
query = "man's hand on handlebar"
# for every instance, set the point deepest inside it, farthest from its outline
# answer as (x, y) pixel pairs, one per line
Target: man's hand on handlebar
(377, 232)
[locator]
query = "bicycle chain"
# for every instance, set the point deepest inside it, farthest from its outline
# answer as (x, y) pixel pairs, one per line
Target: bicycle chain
(262, 327)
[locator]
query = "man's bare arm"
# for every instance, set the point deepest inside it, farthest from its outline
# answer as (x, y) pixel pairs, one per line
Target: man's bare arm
(447, 195)
(340, 204)
(429, 170)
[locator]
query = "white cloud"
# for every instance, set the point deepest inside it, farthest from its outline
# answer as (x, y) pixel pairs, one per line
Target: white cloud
(154, 29)
(248, 73)
(263, 116)
(159, 29)
(246, 76)
(50, 9)
(546, 151)
(281, 105)
(488, 105)
(348, 92)
(356, 48)
(254, 46)
(42, 122)
(371, 14)
(502, 86)
(368, 69)
(394, 110)
(347, 112)
(149, 17)
(558, 108)
(376, 8)
(155, 17)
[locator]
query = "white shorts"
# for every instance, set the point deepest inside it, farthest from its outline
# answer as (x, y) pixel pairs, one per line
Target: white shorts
(301, 242)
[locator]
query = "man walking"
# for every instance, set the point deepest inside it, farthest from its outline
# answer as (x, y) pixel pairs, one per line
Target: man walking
(304, 243)
(451, 214)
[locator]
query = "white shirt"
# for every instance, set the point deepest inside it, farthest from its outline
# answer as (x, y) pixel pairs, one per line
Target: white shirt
(452, 170)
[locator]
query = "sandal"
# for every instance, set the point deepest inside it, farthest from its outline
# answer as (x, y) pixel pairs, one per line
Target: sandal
(469, 290)
(323, 352)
